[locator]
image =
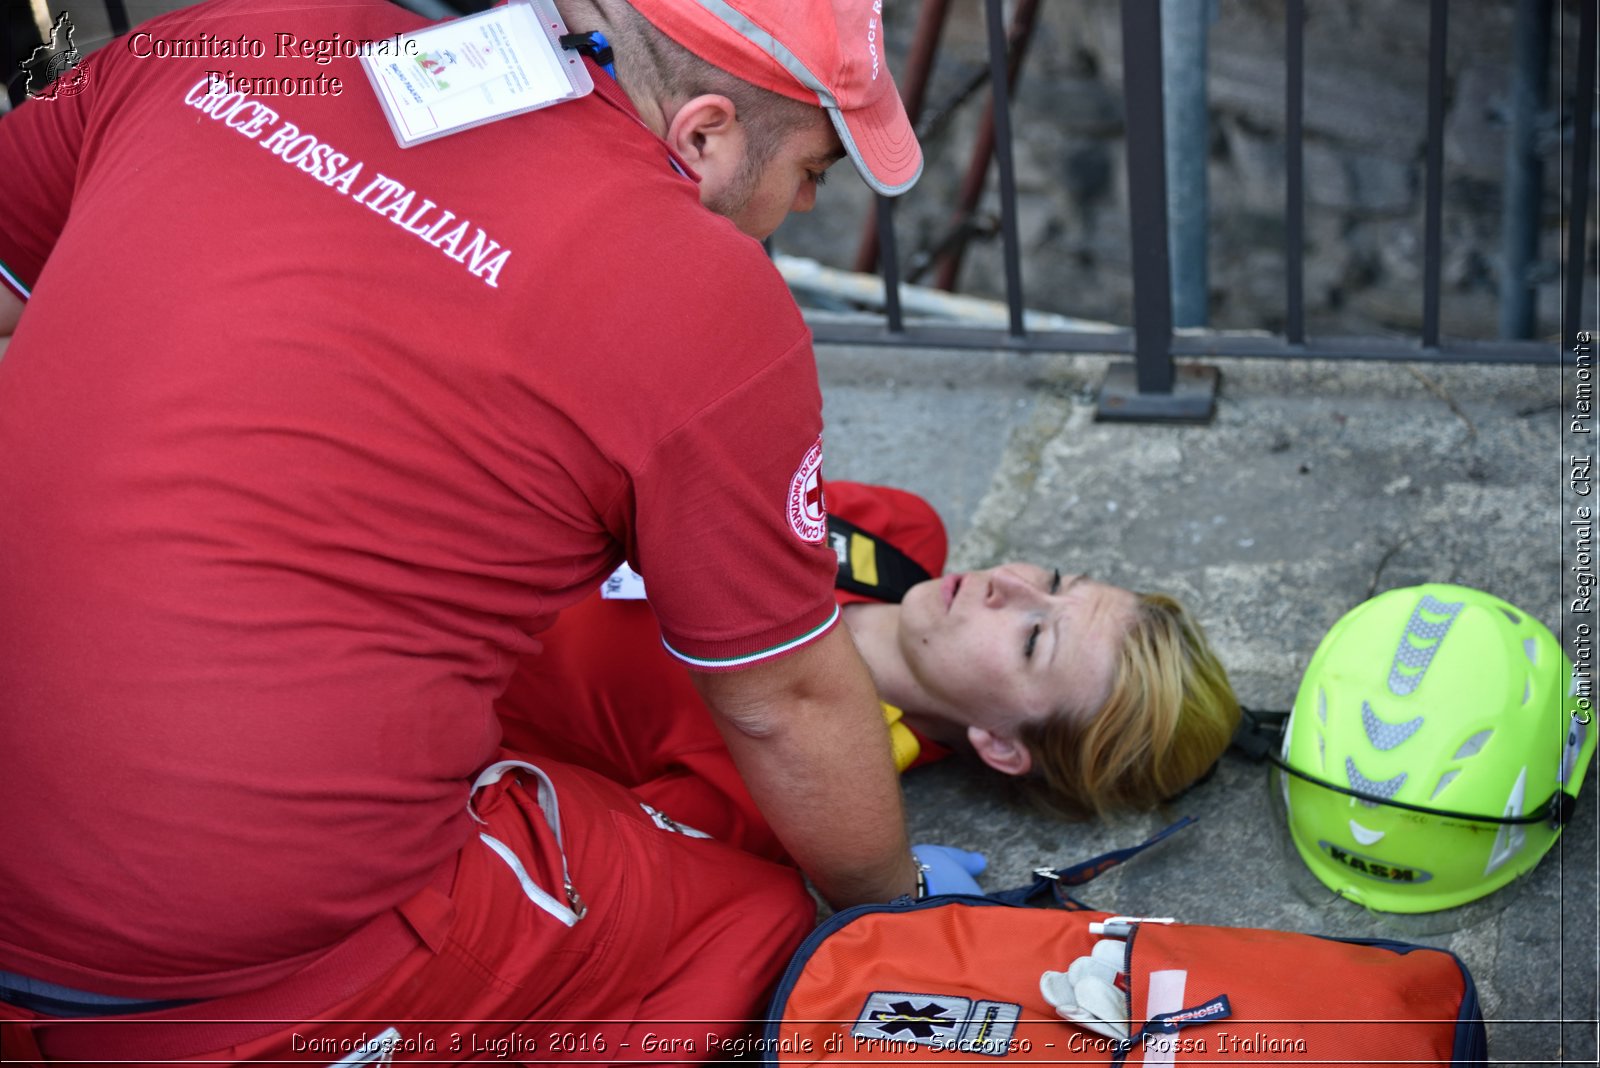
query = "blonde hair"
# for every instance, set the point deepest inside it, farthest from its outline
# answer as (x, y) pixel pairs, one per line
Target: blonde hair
(1170, 715)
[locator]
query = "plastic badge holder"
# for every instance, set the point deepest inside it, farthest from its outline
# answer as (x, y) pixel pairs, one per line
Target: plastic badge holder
(469, 71)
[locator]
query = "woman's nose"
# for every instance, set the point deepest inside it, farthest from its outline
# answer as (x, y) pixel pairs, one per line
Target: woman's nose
(1007, 587)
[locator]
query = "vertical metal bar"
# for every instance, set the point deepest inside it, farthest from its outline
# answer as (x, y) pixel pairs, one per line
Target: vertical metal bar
(1578, 178)
(1147, 195)
(983, 147)
(1433, 208)
(1522, 192)
(988, 146)
(1184, 27)
(1294, 193)
(1000, 101)
(117, 16)
(890, 260)
(913, 85)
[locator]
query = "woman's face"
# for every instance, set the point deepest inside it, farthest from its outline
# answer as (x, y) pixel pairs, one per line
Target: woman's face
(1015, 643)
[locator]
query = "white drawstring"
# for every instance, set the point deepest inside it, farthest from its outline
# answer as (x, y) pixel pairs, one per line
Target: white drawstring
(574, 910)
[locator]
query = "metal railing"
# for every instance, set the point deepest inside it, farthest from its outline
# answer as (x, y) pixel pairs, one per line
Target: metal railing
(1155, 387)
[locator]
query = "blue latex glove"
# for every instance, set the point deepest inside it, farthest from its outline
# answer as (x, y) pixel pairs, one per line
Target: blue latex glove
(948, 870)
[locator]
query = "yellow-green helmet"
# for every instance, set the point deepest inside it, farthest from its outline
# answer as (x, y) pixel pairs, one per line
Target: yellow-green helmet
(1434, 750)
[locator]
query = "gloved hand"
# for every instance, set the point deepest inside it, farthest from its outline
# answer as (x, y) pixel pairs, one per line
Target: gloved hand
(947, 870)
(1087, 992)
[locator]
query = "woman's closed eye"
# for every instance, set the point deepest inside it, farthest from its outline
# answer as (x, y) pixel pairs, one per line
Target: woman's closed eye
(1033, 635)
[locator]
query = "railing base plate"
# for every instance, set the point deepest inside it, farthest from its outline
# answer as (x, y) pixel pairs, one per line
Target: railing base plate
(1193, 398)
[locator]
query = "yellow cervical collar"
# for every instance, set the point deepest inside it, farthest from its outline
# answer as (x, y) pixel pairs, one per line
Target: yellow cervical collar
(905, 744)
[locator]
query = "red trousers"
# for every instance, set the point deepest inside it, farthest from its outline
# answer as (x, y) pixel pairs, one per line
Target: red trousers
(678, 946)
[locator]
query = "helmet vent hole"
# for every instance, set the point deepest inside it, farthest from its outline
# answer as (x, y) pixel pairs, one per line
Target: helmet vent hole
(1383, 735)
(1510, 839)
(1527, 690)
(1511, 615)
(1322, 704)
(1472, 746)
(1530, 649)
(1444, 780)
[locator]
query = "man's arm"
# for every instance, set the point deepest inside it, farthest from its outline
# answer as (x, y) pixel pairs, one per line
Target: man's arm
(806, 733)
(11, 307)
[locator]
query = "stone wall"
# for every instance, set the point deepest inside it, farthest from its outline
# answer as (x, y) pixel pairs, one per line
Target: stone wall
(1365, 127)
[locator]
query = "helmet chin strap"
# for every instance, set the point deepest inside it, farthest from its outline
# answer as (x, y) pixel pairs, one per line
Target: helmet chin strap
(1260, 734)
(1557, 809)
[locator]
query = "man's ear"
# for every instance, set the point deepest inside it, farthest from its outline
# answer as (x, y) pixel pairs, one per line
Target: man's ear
(1005, 755)
(706, 134)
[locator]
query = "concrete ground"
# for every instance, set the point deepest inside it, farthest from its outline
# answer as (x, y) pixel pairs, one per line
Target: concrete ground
(1316, 486)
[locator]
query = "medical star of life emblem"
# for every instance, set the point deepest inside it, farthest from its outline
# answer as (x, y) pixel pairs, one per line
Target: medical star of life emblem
(913, 1020)
(53, 69)
(939, 1021)
(806, 509)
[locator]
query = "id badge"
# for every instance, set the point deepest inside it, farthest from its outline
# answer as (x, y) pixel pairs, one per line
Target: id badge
(469, 71)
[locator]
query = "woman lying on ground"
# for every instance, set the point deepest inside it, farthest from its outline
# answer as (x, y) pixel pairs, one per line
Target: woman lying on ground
(1105, 697)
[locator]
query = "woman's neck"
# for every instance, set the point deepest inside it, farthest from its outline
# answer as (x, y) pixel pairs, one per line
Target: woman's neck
(876, 630)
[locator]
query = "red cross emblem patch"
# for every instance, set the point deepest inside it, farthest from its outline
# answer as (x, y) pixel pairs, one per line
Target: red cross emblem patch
(808, 516)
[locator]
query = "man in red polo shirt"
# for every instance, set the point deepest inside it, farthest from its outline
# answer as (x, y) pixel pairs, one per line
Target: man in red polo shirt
(306, 437)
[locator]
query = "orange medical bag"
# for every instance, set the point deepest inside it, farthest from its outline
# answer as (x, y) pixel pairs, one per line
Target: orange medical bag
(957, 980)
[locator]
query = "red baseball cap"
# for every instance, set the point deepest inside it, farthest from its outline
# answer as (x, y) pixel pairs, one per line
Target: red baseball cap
(826, 52)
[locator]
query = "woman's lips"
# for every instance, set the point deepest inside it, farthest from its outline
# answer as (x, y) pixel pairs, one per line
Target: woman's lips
(948, 589)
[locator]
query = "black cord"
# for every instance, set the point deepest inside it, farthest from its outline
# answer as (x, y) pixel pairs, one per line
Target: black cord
(1558, 809)
(1258, 731)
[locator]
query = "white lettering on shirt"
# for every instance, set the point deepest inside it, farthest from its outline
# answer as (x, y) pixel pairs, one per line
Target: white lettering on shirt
(466, 244)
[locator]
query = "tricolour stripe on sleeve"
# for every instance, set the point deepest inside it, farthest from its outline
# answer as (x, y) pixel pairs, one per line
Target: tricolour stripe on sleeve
(14, 281)
(760, 655)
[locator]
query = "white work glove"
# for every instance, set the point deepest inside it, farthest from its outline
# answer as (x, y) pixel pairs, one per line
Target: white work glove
(1087, 994)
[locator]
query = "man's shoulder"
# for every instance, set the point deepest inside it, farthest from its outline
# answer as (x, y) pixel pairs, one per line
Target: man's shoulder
(682, 275)
(718, 272)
